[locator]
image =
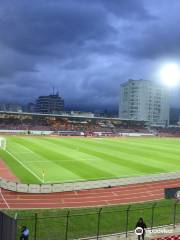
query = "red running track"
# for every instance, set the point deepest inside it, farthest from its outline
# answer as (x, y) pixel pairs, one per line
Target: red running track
(133, 193)
(6, 173)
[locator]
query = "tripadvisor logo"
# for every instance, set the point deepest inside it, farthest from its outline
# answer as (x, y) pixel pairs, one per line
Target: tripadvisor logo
(139, 231)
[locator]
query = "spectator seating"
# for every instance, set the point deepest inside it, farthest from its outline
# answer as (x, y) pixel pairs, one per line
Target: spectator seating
(173, 237)
(53, 123)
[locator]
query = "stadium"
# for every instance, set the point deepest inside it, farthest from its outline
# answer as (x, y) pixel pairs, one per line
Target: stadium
(100, 170)
(89, 120)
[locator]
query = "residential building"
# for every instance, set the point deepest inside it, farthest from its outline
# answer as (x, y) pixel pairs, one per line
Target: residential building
(144, 100)
(10, 107)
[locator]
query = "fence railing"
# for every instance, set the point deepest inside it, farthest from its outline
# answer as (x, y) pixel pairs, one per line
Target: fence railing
(76, 224)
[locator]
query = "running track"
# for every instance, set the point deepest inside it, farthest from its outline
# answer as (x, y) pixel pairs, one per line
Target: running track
(96, 197)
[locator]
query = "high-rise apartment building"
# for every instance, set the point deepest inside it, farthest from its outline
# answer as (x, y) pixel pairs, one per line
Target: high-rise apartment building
(144, 100)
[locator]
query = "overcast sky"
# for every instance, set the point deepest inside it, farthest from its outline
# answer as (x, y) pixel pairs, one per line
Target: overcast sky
(85, 48)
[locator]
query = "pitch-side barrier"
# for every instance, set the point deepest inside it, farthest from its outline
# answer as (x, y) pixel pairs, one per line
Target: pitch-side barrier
(83, 185)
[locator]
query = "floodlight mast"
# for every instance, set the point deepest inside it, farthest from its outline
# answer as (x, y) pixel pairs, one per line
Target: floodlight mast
(170, 74)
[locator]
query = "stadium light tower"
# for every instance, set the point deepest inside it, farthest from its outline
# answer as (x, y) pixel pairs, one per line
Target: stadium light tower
(170, 74)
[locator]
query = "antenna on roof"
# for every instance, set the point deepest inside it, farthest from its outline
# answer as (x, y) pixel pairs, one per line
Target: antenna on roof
(53, 89)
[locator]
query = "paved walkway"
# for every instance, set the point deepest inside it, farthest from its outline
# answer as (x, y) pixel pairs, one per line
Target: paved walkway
(156, 232)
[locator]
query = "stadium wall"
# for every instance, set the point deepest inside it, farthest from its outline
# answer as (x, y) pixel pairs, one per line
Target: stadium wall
(73, 133)
(84, 185)
(35, 132)
(137, 134)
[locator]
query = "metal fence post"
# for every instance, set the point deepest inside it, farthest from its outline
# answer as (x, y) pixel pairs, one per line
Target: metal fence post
(152, 215)
(174, 214)
(35, 226)
(127, 219)
(98, 226)
(16, 216)
(67, 224)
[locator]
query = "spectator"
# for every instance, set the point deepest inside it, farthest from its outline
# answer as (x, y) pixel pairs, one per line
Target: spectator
(24, 233)
(141, 224)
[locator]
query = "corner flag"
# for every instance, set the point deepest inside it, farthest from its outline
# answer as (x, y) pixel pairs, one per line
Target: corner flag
(43, 175)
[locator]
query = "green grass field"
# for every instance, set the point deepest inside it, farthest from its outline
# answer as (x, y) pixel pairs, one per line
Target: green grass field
(72, 159)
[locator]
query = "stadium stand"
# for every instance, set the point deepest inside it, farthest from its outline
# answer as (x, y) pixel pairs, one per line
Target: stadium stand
(168, 132)
(68, 125)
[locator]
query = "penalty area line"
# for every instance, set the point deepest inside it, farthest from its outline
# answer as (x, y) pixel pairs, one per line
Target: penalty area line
(27, 168)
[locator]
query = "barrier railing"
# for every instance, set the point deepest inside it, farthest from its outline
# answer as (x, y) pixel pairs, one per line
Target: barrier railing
(76, 224)
(82, 185)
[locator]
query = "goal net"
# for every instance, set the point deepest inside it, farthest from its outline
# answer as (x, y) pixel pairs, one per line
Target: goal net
(2, 143)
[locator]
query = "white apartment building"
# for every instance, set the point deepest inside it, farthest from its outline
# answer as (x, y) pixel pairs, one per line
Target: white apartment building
(144, 100)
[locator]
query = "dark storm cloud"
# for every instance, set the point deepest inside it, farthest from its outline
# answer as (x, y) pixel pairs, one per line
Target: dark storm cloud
(159, 38)
(127, 9)
(37, 26)
(83, 48)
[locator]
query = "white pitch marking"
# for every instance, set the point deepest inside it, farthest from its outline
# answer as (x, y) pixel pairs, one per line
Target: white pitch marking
(23, 152)
(22, 164)
(3, 198)
(39, 161)
(29, 150)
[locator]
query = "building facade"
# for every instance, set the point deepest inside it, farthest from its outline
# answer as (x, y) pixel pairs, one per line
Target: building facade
(144, 100)
(10, 107)
(49, 104)
(30, 107)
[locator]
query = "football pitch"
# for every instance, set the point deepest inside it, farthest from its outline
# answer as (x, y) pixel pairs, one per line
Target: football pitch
(62, 159)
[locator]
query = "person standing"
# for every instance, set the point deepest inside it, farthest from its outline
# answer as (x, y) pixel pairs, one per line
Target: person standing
(24, 233)
(141, 225)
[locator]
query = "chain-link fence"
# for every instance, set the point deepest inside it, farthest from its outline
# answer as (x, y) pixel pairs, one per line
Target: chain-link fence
(96, 222)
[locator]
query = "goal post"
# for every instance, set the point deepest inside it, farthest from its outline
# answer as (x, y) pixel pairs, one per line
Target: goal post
(2, 143)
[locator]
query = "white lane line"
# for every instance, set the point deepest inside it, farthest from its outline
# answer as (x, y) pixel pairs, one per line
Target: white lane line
(3, 198)
(27, 168)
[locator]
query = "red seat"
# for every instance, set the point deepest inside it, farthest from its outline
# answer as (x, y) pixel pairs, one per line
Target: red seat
(173, 237)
